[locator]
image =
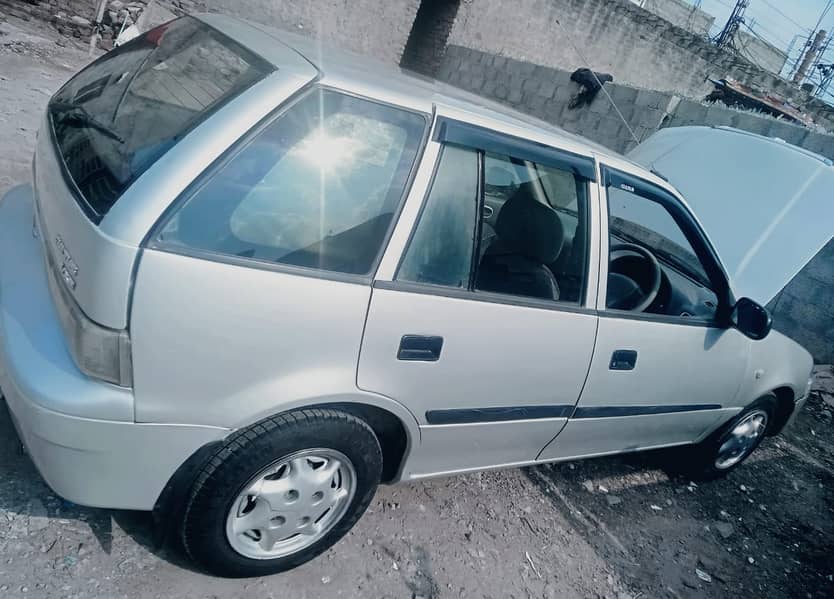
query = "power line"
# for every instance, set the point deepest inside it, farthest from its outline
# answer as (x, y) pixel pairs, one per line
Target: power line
(784, 16)
(730, 29)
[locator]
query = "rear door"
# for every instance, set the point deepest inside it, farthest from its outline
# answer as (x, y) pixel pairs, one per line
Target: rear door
(483, 328)
(666, 373)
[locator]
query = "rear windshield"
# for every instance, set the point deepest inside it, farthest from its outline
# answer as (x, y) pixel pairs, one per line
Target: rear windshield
(118, 116)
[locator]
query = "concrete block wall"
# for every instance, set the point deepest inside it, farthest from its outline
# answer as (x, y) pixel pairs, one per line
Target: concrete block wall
(545, 92)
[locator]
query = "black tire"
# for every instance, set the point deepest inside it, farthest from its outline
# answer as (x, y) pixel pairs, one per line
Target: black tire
(246, 454)
(700, 461)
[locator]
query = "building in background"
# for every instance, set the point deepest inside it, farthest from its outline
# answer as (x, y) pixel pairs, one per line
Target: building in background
(686, 15)
(761, 53)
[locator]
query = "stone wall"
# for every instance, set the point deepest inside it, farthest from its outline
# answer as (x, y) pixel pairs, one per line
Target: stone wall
(804, 310)
(680, 13)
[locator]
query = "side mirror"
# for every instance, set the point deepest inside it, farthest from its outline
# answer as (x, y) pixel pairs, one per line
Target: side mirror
(751, 319)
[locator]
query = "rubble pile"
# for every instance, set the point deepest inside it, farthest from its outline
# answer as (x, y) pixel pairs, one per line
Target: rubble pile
(76, 18)
(117, 15)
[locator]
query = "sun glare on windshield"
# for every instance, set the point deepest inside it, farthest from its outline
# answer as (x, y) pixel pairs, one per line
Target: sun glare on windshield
(326, 151)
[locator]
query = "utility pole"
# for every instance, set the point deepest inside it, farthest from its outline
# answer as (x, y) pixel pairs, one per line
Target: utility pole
(809, 57)
(827, 74)
(736, 18)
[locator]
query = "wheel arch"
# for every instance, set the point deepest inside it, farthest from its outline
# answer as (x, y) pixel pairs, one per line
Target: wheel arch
(785, 405)
(397, 436)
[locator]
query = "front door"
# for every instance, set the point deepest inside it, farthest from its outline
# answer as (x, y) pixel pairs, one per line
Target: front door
(664, 371)
(483, 329)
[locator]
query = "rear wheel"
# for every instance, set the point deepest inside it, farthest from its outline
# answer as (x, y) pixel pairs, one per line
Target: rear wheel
(281, 492)
(733, 443)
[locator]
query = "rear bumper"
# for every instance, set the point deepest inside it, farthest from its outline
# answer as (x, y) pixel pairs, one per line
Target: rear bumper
(79, 432)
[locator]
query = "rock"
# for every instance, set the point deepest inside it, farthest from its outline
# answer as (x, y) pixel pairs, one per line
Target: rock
(725, 529)
(80, 20)
(613, 500)
(38, 517)
(117, 5)
(589, 486)
(703, 575)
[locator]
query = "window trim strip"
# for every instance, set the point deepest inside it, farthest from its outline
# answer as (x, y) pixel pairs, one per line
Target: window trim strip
(455, 132)
(482, 296)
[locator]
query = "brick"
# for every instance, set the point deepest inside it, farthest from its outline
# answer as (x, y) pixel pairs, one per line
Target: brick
(531, 84)
(622, 94)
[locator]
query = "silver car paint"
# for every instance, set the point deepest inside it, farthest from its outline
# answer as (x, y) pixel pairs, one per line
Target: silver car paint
(104, 262)
(210, 356)
(79, 432)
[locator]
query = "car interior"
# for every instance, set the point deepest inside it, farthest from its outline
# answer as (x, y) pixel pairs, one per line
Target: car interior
(652, 266)
(533, 240)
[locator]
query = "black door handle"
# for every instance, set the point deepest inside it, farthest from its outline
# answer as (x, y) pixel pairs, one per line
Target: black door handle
(623, 359)
(420, 348)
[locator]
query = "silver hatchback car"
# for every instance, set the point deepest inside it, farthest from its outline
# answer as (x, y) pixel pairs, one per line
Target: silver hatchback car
(253, 279)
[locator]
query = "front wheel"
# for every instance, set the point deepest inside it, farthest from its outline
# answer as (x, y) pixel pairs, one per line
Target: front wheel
(730, 445)
(281, 492)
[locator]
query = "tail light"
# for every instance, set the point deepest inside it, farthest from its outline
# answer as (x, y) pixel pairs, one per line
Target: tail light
(98, 351)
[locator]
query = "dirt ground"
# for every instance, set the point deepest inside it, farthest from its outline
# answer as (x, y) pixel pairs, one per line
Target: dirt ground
(612, 527)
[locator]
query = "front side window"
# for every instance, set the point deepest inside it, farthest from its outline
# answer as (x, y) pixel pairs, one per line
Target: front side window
(522, 233)
(121, 114)
(653, 267)
(317, 188)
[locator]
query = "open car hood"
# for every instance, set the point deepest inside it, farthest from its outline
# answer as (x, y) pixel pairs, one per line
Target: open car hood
(766, 205)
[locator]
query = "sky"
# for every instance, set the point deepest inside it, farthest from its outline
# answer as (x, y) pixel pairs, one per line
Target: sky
(798, 17)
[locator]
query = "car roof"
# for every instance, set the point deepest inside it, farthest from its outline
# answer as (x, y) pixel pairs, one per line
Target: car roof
(347, 70)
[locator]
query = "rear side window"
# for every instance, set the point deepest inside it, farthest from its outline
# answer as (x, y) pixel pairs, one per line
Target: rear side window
(118, 116)
(317, 188)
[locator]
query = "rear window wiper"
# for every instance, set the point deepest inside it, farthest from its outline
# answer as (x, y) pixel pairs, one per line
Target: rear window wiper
(76, 113)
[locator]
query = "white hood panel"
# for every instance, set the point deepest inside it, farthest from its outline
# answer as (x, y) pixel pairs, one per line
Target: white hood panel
(767, 206)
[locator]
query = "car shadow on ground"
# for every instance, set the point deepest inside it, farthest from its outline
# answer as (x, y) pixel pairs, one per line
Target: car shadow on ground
(31, 508)
(756, 530)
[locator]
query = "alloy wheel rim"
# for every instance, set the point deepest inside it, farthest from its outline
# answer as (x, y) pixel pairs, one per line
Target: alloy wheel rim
(291, 504)
(741, 440)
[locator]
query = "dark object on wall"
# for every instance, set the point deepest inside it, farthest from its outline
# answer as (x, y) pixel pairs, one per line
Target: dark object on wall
(737, 95)
(590, 84)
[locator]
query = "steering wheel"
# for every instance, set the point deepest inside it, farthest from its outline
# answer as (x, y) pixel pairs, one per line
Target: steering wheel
(629, 293)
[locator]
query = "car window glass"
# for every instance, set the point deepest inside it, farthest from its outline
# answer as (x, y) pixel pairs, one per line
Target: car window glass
(121, 114)
(534, 234)
(316, 188)
(684, 288)
(440, 252)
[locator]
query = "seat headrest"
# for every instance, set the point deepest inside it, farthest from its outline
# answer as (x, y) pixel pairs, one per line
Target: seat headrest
(529, 227)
